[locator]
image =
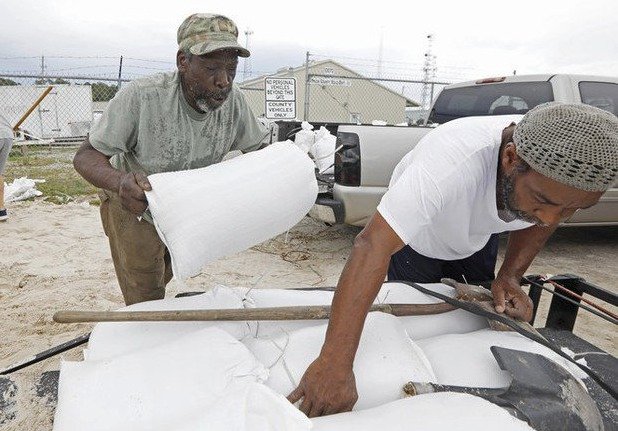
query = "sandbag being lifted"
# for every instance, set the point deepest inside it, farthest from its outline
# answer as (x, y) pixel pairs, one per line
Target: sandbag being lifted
(204, 214)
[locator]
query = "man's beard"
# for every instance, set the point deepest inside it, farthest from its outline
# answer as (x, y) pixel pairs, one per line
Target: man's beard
(507, 193)
(204, 101)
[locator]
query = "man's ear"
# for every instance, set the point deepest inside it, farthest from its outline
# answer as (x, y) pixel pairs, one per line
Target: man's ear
(510, 158)
(182, 62)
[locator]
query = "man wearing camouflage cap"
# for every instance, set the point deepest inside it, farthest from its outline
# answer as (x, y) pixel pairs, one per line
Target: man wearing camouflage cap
(186, 119)
(464, 182)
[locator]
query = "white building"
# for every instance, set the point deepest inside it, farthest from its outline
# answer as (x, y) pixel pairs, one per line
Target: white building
(65, 112)
(336, 94)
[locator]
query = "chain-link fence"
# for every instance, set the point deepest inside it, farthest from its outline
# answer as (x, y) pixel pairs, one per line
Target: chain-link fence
(59, 108)
(344, 90)
(62, 107)
(362, 100)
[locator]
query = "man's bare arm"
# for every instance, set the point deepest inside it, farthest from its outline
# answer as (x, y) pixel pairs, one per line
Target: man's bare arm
(522, 247)
(328, 385)
(95, 167)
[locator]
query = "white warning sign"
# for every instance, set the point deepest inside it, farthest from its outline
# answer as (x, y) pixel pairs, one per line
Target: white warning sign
(280, 96)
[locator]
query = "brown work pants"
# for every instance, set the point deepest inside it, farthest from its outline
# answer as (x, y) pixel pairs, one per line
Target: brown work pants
(141, 260)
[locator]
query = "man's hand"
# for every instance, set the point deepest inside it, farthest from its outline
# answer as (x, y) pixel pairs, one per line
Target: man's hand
(131, 192)
(509, 298)
(325, 389)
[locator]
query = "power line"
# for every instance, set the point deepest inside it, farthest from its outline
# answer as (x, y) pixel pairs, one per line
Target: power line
(149, 61)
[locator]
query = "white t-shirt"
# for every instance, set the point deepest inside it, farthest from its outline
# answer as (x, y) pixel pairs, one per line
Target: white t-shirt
(441, 199)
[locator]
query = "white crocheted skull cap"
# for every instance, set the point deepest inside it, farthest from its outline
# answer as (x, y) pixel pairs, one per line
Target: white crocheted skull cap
(574, 144)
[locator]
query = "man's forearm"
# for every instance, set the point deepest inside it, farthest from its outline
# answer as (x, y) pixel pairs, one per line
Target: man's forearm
(522, 247)
(358, 286)
(94, 166)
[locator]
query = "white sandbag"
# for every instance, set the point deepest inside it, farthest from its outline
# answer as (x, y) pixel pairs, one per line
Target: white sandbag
(386, 359)
(419, 327)
(466, 359)
(109, 340)
(154, 389)
(436, 412)
(21, 189)
(305, 137)
(204, 214)
(260, 298)
(323, 151)
(252, 407)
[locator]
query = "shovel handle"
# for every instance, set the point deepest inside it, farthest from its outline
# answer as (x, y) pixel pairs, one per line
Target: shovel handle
(418, 388)
(311, 312)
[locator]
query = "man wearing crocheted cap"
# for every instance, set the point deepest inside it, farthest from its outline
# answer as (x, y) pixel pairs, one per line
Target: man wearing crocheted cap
(465, 182)
(186, 119)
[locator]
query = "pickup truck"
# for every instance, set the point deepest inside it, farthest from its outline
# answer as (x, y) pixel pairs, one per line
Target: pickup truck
(368, 154)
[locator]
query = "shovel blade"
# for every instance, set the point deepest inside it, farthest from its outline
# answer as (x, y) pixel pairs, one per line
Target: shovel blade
(548, 395)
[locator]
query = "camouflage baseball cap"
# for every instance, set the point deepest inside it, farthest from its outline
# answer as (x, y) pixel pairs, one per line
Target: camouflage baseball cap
(203, 33)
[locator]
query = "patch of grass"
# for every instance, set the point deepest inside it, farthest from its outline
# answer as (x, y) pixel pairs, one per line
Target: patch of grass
(62, 183)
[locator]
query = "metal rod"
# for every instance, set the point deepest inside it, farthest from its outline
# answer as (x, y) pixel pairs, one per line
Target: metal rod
(46, 354)
(581, 298)
(32, 108)
(566, 298)
(120, 74)
(306, 108)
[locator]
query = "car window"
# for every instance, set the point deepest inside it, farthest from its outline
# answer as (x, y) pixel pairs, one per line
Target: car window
(490, 99)
(603, 95)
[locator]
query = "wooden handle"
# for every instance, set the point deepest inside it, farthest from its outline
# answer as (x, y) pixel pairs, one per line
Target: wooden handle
(312, 312)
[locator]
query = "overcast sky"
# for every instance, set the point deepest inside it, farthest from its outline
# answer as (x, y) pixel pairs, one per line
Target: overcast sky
(472, 39)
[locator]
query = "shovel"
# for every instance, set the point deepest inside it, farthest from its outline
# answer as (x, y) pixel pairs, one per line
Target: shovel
(541, 393)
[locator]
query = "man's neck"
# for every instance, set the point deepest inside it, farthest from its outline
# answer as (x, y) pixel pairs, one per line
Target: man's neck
(185, 93)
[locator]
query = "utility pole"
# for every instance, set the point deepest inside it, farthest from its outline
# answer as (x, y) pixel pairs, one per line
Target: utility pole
(429, 74)
(120, 73)
(307, 88)
(42, 65)
(246, 71)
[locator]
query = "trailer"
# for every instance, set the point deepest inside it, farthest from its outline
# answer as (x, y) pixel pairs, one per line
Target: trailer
(64, 114)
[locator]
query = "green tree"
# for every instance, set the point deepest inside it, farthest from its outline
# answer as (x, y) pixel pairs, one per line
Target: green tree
(48, 81)
(6, 81)
(102, 92)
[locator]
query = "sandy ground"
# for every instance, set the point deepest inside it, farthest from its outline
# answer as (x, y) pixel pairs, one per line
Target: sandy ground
(56, 257)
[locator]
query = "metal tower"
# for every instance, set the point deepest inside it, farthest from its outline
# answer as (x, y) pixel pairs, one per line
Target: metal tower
(429, 74)
(246, 70)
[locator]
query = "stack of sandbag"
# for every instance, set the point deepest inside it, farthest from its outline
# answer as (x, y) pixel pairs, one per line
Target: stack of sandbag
(204, 214)
(323, 151)
(320, 144)
(235, 375)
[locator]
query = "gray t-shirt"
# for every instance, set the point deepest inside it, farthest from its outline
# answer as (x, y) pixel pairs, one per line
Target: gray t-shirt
(149, 127)
(6, 130)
